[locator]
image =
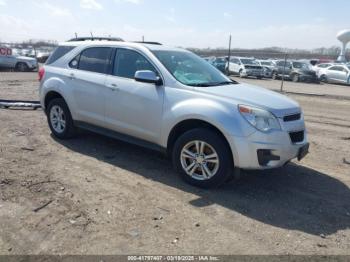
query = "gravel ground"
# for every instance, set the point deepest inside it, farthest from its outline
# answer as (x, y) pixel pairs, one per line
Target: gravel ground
(102, 196)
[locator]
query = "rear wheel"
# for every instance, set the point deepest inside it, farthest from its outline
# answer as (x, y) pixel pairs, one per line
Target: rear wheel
(60, 119)
(202, 158)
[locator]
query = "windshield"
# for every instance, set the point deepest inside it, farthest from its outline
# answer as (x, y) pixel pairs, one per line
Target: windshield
(300, 65)
(190, 69)
(249, 62)
(267, 63)
(220, 60)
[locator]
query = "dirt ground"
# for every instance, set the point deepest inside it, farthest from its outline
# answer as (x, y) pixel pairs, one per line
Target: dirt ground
(102, 196)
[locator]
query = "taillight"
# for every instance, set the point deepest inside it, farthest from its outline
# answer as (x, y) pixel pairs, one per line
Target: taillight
(41, 73)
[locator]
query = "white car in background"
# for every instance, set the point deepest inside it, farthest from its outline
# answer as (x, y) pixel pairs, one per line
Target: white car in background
(245, 67)
(338, 73)
(319, 67)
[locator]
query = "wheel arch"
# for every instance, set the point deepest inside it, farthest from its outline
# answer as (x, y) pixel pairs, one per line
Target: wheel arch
(50, 96)
(189, 124)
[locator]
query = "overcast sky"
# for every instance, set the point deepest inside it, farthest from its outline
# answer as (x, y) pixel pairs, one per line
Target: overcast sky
(188, 23)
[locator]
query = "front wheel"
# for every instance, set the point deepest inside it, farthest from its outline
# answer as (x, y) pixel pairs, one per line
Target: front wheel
(295, 78)
(324, 79)
(22, 67)
(274, 75)
(203, 158)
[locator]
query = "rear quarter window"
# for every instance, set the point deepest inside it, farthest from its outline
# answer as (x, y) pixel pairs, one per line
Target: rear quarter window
(58, 53)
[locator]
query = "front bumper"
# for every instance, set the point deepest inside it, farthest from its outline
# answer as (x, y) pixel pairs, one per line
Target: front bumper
(250, 72)
(277, 147)
(308, 78)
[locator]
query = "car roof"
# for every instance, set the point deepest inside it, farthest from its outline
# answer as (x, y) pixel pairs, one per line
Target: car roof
(152, 47)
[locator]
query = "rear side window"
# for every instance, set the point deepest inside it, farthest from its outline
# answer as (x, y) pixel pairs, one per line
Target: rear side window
(95, 59)
(336, 68)
(58, 53)
(127, 62)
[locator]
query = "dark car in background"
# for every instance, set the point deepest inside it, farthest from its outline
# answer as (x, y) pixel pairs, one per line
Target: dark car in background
(220, 63)
(294, 70)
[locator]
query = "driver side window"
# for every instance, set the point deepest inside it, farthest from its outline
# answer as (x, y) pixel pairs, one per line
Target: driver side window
(127, 62)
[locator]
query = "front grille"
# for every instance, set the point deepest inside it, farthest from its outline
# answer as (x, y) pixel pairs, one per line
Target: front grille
(297, 137)
(293, 117)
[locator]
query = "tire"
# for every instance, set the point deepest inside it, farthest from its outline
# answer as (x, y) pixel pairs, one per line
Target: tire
(219, 171)
(295, 78)
(240, 73)
(58, 109)
(259, 77)
(21, 67)
(324, 79)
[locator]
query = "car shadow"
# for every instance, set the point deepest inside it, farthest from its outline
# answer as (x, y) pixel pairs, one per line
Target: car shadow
(294, 197)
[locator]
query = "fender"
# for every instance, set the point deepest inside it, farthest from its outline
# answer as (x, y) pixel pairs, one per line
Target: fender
(55, 84)
(217, 114)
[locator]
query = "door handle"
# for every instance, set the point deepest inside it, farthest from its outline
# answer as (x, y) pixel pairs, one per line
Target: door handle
(72, 76)
(113, 87)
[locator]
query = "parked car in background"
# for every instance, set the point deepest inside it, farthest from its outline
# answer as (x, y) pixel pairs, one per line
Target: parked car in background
(209, 59)
(19, 63)
(220, 63)
(245, 67)
(294, 70)
(42, 56)
(171, 100)
(336, 74)
(318, 67)
(268, 67)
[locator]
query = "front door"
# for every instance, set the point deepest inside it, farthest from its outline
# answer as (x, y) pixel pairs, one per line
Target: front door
(133, 108)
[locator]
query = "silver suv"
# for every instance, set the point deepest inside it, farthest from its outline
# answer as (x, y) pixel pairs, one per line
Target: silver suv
(171, 100)
(9, 60)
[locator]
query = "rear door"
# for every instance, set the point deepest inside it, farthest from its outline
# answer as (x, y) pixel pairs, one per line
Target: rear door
(133, 108)
(337, 74)
(87, 78)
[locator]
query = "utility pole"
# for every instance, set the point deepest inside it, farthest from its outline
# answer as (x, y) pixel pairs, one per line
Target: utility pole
(143, 38)
(229, 57)
(284, 70)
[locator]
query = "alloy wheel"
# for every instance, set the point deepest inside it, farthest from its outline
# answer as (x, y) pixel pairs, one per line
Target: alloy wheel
(57, 119)
(199, 160)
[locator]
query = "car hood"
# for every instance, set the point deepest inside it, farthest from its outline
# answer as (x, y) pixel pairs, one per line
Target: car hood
(246, 94)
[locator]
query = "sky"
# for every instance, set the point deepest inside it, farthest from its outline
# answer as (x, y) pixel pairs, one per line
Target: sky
(302, 24)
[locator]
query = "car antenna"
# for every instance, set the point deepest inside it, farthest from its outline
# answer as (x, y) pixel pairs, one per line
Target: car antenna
(92, 37)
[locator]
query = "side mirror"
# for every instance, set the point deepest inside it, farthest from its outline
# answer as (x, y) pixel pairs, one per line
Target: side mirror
(147, 76)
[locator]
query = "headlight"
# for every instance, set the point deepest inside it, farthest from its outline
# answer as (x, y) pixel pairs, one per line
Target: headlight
(259, 118)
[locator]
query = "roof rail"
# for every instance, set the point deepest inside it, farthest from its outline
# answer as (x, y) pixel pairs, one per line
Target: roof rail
(95, 38)
(147, 42)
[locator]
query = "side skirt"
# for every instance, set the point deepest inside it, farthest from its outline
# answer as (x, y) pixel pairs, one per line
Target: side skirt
(120, 136)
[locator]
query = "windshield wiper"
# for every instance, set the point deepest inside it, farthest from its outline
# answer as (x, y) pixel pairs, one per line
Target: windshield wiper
(214, 84)
(200, 85)
(225, 83)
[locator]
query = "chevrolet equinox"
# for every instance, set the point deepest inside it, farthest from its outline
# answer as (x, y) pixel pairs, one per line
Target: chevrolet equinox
(171, 100)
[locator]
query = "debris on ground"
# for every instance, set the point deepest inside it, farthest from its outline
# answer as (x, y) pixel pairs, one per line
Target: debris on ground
(345, 161)
(43, 206)
(27, 148)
